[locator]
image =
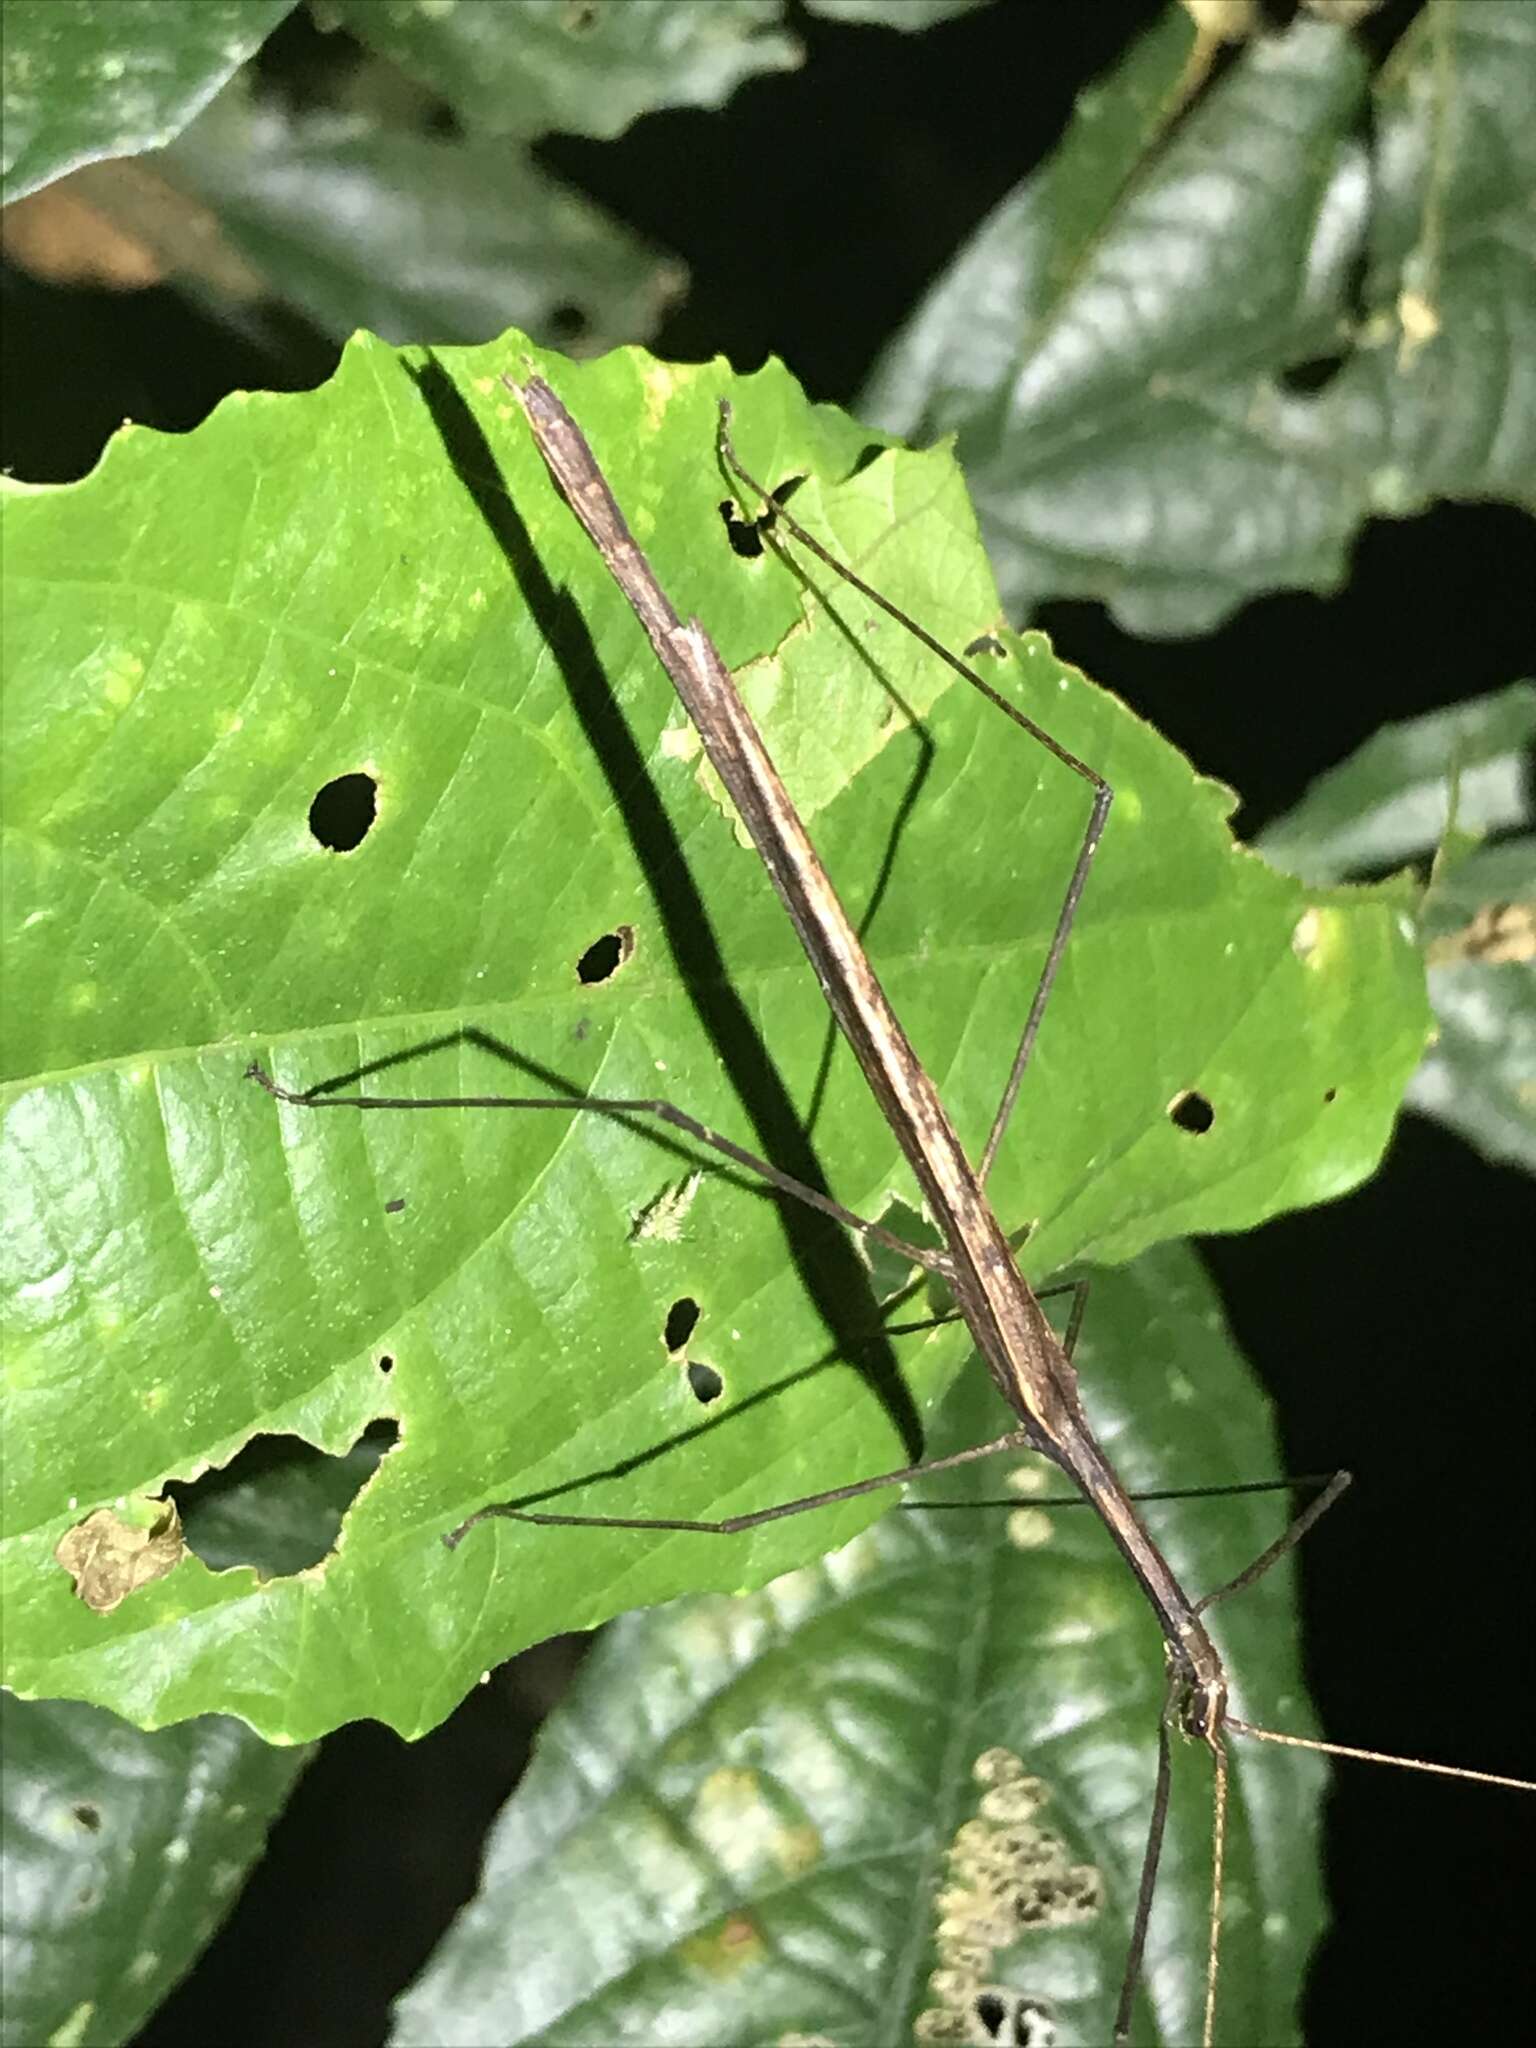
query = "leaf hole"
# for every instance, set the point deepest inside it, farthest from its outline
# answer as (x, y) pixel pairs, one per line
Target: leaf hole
(1315, 374)
(605, 956)
(279, 1503)
(706, 1383)
(1190, 1111)
(682, 1321)
(1330, 1095)
(985, 643)
(1011, 2019)
(87, 1815)
(386, 1364)
(394, 1206)
(342, 813)
(566, 324)
(744, 535)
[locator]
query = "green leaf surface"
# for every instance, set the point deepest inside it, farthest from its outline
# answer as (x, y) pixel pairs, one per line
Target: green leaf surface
(122, 1854)
(85, 79)
(367, 224)
(1191, 355)
(1479, 1075)
(1393, 799)
(378, 580)
(1429, 789)
(585, 67)
(910, 16)
(741, 1824)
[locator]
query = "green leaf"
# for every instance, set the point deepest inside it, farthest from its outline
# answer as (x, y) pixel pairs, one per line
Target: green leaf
(1126, 347)
(1479, 1075)
(581, 66)
(85, 79)
(1429, 788)
(378, 581)
(365, 223)
(740, 1825)
(1391, 801)
(122, 1855)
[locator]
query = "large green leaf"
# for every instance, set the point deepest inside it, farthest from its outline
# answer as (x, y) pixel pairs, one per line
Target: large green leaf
(121, 1854)
(365, 222)
(585, 67)
(742, 1824)
(1128, 347)
(377, 580)
(85, 79)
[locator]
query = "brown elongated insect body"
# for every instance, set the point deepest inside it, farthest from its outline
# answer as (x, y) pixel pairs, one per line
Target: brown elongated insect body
(1021, 1351)
(1030, 1366)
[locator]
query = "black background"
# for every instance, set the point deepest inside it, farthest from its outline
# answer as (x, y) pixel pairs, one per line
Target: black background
(1394, 1328)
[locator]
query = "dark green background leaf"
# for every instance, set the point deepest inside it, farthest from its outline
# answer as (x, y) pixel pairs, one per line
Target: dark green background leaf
(1165, 392)
(364, 222)
(735, 1828)
(84, 79)
(1393, 801)
(378, 579)
(122, 1854)
(582, 66)
(1479, 1075)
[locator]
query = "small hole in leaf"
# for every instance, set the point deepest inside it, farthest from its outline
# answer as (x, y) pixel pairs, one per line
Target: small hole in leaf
(565, 324)
(1330, 1095)
(605, 956)
(682, 1321)
(386, 1363)
(990, 2012)
(706, 1383)
(343, 812)
(89, 1816)
(244, 1513)
(394, 1207)
(1305, 379)
(744, 535)
(1191, 1112)
(985, 643)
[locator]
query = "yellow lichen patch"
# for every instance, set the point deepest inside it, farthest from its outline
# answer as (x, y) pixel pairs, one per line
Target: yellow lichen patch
(797, 1849)
(1317, 936)
(1029, 1528)
(1499, 934)
(76, 2028)
(1006, 1874)
(726, 1950)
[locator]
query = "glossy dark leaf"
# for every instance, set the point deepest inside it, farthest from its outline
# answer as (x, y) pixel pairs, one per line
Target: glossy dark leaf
(1432, 790)
(85, 79)
(122, 1854)
(1223, 326)
(760, 1819)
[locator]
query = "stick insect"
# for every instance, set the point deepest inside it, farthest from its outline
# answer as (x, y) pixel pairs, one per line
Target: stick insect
(1030, 1365)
